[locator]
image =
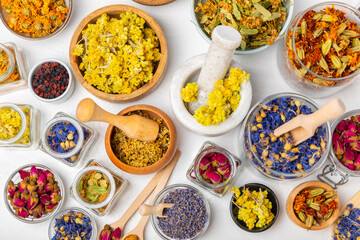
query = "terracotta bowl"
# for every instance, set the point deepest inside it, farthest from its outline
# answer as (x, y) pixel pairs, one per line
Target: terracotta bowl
(114, 11)
(290, 205)
(162, 162)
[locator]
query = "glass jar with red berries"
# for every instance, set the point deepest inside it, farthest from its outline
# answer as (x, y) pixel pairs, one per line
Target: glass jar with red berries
(13, 68)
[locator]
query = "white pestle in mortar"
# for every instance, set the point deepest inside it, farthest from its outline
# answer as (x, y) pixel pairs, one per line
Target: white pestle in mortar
(189, 72)
(225, 40)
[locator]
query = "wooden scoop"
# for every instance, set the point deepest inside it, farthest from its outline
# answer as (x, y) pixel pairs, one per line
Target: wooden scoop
(134, 126)
(158, 210)
(303, 126)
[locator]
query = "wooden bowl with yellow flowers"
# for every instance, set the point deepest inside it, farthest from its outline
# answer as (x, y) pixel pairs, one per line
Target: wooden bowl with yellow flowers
(118, 53)
(138, 157)
(35, 22)
(313, 205)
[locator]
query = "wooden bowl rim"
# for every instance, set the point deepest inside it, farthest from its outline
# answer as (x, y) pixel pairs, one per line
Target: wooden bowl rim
(153, 2)
(290, 209)
(162, 162)
(146, 88)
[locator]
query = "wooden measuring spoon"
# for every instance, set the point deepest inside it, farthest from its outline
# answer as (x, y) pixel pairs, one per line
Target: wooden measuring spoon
(158, 210)
(355, 200)
(139, 229)
(303, 126)
(134, 126)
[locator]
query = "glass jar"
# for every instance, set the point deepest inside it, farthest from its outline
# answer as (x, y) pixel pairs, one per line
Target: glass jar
(297, 74)
(246, 146)
(119, 184)
(27, 137)
(15, 76)
(72, 158)
(193, 174)
(336, 174)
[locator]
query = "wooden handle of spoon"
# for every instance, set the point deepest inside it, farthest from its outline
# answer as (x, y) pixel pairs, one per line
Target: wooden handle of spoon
(87, 110)
(331, 110)
(146, 209)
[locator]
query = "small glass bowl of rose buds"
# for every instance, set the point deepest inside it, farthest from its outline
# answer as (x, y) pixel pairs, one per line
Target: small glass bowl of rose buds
(51, 81)
(33, 193)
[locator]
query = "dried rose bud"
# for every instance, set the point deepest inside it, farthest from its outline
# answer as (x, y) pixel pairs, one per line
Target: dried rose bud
(342, 126)
(356, 118)
(204, 163)
(31, 187)
(55, 198)
(336, 137)
(352, 126)
(48, 174)
(224, 169)
(348, 155)
(41, 181)
(220, 159)
(116, 234)
(25, 195)
(355, 145)
(227, 175)
(11, 189)
(22, 212)
(357, 161)
(105, 232)
(19, 203)
(38, 211)
(33, 201)
(41, 190)
(339, 148)
(23, 185)
(45, 199)
(33, 173)
(24, 174)
(349, 136)
(51, 207)
(215, 177)
(49, 187)
(350, 166)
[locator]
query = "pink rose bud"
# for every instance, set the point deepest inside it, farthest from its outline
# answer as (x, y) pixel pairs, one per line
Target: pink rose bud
(41, 181)
(350, 166)
(215, 177)
(204, 163)
(19, 203)
(338, 148)
(349, 136)
(352, 126)
(336, 137)
(51, 207)
(342, 126)
(349, 155)
(11, 189)
(116, 234)
(45, 199)
(24, 174)
(21, 212)
(220, 159)
(48, 174)
(224, 169)
(34, 173)
(355, 145)
(23, 185)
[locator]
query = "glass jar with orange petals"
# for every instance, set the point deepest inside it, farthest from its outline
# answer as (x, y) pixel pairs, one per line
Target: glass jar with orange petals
(321, 54)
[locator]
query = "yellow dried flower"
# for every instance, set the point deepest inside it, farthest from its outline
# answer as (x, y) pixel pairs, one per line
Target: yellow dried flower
(189, 92)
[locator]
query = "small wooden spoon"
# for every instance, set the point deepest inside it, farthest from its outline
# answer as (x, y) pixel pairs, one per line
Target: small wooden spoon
(158, 210)
(303, 126)
(134, 126)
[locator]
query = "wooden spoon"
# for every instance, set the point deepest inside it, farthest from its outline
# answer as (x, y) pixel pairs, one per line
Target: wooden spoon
(134, 126)
(139, 229)
(355, 200)
(158, 210)
(303, 126)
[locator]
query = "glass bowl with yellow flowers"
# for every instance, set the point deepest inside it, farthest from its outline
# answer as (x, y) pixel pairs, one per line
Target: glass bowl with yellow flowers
(35, 21)
(260, 23)
(246, 203)
(13, 123)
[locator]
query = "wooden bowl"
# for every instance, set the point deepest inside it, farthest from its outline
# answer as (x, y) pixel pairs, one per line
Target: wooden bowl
(5, 19)
(114, 11)
(290, 205)
(153, 2)
(272, 198)
(162, 162)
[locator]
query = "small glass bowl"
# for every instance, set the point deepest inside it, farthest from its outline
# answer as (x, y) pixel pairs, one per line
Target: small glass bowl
(51, 230)
(271, 196)
(246, 147)
(196, 17)
(23, 123)
(160, 199)
(76, 182)
(4, 18)
(15, 177)
(65, 95)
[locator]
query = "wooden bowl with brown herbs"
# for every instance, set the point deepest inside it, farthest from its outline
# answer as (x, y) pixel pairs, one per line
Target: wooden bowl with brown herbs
(139, 157)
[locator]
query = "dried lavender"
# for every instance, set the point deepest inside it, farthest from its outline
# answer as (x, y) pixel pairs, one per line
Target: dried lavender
(187, 217)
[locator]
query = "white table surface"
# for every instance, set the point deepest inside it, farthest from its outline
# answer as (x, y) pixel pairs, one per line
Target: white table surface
(184, 42)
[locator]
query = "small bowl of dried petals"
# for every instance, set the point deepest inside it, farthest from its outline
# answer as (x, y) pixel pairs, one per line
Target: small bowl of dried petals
(313, 205)
(140, 157)
(34, 21)
(272, 18)
(112, 68)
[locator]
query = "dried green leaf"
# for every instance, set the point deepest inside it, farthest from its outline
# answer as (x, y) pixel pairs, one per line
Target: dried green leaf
(203, 19)
(243, 45)
(236, 11)
(247, 31)
(263, 10)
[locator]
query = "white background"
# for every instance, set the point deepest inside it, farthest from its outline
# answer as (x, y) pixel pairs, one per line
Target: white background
(184, 42)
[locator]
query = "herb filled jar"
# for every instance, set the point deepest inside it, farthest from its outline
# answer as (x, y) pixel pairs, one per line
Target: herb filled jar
(214, 168)
(20, 126)
(319, 54)
(66, 139)
(13, 68)
(105, 200)
(276, 157)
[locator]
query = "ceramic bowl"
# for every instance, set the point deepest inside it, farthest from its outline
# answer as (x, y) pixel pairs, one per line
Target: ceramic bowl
(162, 162)
(196, 17)
(271, 196)
(310, 185)
(51, 230)
(15, 177)
(5, 19)
(115, 11)
(65, 95)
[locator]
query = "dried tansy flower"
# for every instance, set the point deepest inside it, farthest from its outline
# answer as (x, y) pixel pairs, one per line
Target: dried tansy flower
(118, 55)
(259, 22)
(37, 18)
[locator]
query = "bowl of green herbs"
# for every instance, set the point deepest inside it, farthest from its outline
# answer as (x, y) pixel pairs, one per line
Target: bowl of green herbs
(260, 22)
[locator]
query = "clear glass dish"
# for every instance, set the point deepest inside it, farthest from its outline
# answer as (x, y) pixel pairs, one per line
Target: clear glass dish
(160, 199)
(28, 136)
(245, 145)
(15, 177)
(4, 19)
(51, 230)
(303, 79)
(75, 156)
(193, 173)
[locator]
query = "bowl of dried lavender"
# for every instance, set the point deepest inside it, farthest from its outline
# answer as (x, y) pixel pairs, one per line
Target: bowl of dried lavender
(272, 18)
(313, 205)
